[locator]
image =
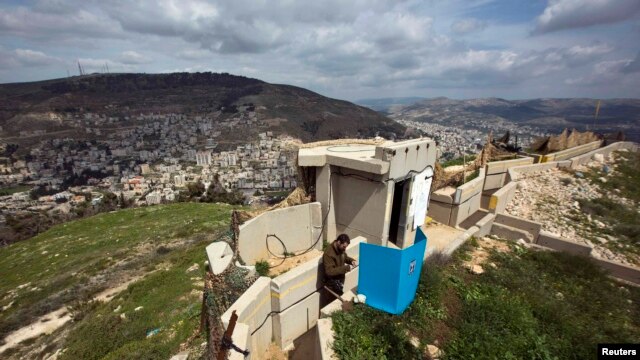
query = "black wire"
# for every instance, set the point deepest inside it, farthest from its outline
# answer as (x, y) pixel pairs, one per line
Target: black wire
(278, 312)
(274, 255)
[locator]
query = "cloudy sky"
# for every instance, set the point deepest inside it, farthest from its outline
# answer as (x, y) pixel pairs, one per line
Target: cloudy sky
(349, 49)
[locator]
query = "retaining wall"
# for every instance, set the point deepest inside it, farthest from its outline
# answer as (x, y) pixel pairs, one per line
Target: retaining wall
(497, 174)
(572, 152)
(298, 227)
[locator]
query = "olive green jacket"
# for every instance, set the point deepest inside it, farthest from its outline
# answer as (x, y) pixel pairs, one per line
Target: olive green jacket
(335, 265)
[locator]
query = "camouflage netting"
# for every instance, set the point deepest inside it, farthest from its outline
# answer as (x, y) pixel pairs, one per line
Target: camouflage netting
(566, 140)
(220, 292)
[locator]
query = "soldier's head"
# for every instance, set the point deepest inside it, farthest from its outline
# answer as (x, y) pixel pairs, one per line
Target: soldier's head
(342, 242)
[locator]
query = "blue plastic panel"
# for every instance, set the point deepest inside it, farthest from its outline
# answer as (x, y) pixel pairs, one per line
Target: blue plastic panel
(389, 277)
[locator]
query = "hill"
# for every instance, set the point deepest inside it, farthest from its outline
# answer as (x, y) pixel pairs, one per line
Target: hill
(130, 259)
(296, 111)
(551, 115)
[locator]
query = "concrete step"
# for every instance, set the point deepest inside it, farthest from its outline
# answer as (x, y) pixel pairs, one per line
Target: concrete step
(336, 305)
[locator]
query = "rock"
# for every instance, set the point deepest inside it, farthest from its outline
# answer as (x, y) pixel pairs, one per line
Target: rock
(598, 157)
(522, 242)
(576, 204)
(579, 174)
(123, 316)
(138, 308)
(493, 265)
(414, 341)
(184, 355)
(434, 352)
(193, 267)
(6, 307)
(606, 169)
(599, 223)
(602, 179)
(117, 309)
(476, 269)
(559, 296)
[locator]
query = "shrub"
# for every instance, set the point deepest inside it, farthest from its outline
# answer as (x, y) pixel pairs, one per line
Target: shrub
(262, 268)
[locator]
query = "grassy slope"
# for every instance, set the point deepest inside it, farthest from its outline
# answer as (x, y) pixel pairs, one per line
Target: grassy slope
(534, 305)
(94, 246)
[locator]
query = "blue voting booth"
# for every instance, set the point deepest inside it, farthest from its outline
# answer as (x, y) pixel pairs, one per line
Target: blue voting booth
(389, 277)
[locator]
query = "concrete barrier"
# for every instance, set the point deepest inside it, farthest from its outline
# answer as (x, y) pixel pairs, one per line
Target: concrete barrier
(306, 278)
(484, 225)
(297, 226)
(585, 158)
(501, 198)
(552, 241)
(296, 320)
(572, 152)
(325, 340)
(241, 338)
(253, 308)
(529, 226)
(620, 271)
(467, 200)
(497, 173)
(510, 233)
(219, 254)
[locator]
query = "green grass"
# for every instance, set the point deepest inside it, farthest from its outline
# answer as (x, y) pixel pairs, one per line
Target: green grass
(533, 305)
(168, 305)
(14, 189)
(60, 263)
(624, 179)
(459, 161)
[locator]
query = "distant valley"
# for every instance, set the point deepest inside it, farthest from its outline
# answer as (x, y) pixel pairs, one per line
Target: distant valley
(547, 115)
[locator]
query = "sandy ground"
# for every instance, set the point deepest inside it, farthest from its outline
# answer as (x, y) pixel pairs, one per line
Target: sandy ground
(52, 321)
(291, 262)
(481, 253)
(46, 324)
(439, 236)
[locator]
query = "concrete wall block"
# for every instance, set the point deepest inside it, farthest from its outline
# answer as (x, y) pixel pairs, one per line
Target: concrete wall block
(293, 225)
(241, 338)
(296, 320)
(531, 227)
(325, 339)
(510, 233)
(495, 181)
(484, 225)
(440, 212)
(557, 243)
(252, 309)
(501, 198)
(620, 271)
(219, 254)
(461, 212)
(572, 152)
(351, 280)
(469, 190)
(296, 283)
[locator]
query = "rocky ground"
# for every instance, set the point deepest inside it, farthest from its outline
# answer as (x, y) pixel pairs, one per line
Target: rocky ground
(553, 198)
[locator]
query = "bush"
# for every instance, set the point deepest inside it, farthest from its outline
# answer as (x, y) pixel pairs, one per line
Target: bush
(262, 268)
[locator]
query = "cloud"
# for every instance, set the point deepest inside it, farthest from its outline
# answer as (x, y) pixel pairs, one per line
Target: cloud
(570, 14)
(20, 58)
(632, 66)
(465, 26)
(132, 58)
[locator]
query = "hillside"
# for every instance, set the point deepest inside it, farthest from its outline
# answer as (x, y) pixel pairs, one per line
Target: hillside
(547, 114)
(150, 259)
(296, 111)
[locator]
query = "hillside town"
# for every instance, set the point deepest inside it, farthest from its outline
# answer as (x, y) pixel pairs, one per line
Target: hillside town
(147, 164)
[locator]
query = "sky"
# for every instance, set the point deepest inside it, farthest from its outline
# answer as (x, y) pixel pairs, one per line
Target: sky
(346, 49)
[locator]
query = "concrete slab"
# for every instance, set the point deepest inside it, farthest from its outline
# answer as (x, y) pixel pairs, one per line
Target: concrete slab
(510, 233)
(336, 305)
(557, 243)
(296, 226)
(440, 237)
(184, 355)
(325, 339)
(252, 309)
(529, 226)
(295, 321)
(241, 338)
(219, 255)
